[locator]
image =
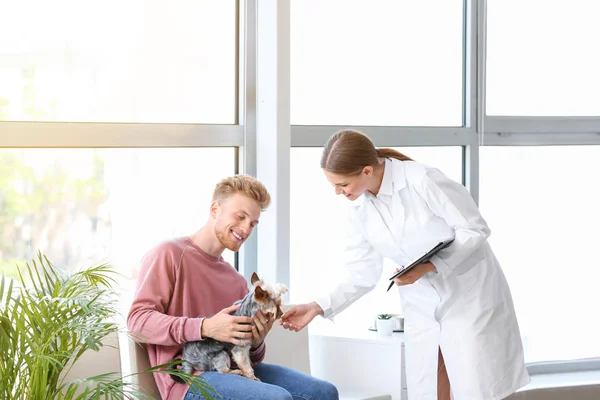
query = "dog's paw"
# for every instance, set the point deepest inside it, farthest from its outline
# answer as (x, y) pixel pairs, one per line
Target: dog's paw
(254, 378)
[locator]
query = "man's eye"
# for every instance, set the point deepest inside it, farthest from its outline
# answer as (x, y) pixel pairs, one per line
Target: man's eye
(240, 217)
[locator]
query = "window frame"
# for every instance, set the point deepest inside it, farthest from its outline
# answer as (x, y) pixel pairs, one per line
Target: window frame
(518, 130)
(34, 134)
(477, 130)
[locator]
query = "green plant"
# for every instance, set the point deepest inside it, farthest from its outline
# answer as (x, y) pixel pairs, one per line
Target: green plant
(384, 316)
(49, 321)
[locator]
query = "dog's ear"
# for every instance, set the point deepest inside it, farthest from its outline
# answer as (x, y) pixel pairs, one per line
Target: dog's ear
(281, 289)
(254, 278)
(260, 295)
(279, 313)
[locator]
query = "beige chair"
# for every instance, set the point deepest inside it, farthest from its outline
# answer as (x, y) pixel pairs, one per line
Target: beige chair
(139, 361)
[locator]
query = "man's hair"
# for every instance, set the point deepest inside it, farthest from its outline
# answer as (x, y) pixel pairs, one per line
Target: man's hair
(245, 185)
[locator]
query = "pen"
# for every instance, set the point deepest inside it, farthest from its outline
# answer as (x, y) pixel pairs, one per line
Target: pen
(392, 282)
(389, 287)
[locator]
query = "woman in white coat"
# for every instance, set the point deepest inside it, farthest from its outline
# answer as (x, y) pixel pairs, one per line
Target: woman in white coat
(458, 308)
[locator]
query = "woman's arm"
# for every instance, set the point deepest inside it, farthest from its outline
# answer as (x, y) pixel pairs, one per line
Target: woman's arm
(452, 202)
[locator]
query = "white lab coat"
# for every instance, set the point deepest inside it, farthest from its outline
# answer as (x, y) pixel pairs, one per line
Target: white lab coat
(465, 308)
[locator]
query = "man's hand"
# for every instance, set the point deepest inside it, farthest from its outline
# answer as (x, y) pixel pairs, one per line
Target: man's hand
(228, 328)
(262, 325)
(414, 274)
(299, 316)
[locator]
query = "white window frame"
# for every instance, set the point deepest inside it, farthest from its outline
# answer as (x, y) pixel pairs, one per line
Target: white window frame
(531, 130)
(477, 130)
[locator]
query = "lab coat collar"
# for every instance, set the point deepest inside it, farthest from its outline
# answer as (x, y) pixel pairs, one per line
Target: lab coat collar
(398, 174)
(385, 231)
(388, 176)
(394, 179)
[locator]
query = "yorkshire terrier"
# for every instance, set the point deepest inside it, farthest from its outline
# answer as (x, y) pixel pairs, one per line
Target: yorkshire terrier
(213, 355)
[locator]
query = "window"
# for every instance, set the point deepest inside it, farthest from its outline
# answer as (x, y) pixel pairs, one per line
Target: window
(84, 206)
(379, 63)
(541, 59)
(115, 61)
(316, 217)
(541, 204)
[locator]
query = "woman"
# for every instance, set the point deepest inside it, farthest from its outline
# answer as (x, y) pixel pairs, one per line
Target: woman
(458, 307)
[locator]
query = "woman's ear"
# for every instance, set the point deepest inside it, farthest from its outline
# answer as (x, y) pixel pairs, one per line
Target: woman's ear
(368, 170)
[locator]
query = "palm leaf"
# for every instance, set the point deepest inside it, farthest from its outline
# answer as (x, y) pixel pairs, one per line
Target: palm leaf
(49, 322)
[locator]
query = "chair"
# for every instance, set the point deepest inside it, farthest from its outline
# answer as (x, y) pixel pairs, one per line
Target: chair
(138, 362)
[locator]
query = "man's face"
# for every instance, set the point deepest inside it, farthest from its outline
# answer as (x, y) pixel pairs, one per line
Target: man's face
(235, 218)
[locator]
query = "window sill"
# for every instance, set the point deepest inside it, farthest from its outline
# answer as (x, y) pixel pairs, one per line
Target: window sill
(563, 379)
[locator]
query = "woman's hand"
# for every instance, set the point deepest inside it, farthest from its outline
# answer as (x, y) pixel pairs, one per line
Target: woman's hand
(414, 274)
(299, 316)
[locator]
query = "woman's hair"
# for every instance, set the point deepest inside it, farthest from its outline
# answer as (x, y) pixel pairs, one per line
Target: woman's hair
(347, 152)
(245, 185)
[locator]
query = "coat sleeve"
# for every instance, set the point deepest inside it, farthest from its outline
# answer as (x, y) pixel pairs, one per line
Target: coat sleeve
(361, 271)
(148, 320)
(452, 202)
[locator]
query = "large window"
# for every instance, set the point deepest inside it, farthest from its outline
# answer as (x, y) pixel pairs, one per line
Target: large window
(118, 61)
(542, 58)
(83, 206)
(542, 206)
(380, 63)
(316, 218)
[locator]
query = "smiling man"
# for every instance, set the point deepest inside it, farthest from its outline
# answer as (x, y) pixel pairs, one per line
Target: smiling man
(185, 293)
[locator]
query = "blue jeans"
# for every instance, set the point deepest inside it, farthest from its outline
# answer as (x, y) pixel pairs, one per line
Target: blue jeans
(276, 383)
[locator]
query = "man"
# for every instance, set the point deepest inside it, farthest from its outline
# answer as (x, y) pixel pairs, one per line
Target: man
(185, 293)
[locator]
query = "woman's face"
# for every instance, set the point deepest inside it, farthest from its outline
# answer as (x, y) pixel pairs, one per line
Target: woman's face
(351, 186)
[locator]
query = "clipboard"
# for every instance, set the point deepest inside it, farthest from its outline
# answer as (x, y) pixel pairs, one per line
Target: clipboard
(423, 259)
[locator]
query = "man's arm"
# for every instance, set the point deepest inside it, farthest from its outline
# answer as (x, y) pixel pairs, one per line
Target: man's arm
(147, 319)
(258, 354)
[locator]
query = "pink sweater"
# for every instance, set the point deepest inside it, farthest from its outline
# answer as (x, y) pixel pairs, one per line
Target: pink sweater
(178, 285)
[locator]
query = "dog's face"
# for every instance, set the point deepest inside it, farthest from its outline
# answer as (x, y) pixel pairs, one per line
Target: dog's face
(269, 297)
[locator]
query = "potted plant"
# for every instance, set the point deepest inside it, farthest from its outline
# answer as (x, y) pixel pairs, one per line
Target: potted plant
(49, 321)
(385, 325)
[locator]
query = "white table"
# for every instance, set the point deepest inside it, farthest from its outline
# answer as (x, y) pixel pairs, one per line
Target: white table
(358, 360)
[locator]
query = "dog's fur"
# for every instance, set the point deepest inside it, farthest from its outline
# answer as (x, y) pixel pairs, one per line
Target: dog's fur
(213, 355)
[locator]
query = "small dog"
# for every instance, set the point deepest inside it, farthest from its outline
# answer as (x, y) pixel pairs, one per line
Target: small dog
(213, 355)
